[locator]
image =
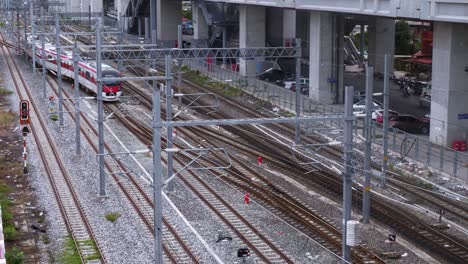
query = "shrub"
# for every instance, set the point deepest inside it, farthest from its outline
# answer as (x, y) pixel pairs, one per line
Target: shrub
(14, 256)
(9, 232)
(112, 217)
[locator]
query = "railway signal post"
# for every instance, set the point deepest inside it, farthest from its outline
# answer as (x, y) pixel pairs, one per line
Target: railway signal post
(24, 120)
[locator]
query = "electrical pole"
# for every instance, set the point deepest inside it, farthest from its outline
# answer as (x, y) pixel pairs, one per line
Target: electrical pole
(297, 125)
(76, 86)
(18, 27)
(368, 144)
(170, 169)
(349, 170)
(157, 169)
(386, 95)
(25, 31)
(33, 35)
(179, 73)
(44, 68)
(102, 175)
(59, 69)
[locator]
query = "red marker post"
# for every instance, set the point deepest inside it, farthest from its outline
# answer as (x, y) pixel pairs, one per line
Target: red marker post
(260, 161)
(247, 198)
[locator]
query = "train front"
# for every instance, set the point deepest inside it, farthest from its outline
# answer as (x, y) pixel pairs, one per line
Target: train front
(112, 90)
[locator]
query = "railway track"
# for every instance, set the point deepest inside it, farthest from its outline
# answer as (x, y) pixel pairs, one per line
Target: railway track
(175, 248)
(261, 245)
(458, 249)
(74, 216)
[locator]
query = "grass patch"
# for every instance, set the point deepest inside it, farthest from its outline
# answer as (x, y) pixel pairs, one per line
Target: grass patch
(6, 118)
(286, 113)
(4, 91)
(14, 256)
(112, 217)
(69, 254)
(9, 232)
(45, 239)
(220, 87)
(263, 103)
(54, 117)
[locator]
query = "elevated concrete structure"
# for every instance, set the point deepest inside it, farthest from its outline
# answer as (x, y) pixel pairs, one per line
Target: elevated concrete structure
(251, 34)
(449, 108)
(435, 10)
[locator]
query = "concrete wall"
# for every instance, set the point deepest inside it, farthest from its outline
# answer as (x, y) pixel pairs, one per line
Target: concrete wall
(449, 83)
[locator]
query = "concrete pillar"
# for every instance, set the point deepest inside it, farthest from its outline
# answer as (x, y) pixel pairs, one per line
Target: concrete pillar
(168, 18)
(381, 42)
(449, 79)
(289, 26)
(147, 29)
(251, 33)
(321, 50)
(274, 26)
(200, 27)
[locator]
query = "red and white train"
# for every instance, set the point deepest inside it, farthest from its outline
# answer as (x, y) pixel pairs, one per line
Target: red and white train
(111, 91)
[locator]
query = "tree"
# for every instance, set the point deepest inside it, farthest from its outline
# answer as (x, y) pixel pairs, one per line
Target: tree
(403, 44)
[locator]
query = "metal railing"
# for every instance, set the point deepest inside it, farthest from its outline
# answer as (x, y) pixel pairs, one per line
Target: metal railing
(274, 94)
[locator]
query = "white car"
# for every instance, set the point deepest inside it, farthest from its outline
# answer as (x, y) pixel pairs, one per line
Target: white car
(362, 105)
(304, 82)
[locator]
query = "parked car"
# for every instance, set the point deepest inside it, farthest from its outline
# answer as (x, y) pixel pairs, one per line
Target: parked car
(425, 97)
(377, 115)
(290, 81)
(304, 88)
(410, 124)
(361, 106)
(273, 75)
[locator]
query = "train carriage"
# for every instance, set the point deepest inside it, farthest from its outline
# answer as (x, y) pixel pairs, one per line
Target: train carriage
(87, 70)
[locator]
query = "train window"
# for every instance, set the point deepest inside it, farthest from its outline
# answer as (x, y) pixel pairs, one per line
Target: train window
(87, 75)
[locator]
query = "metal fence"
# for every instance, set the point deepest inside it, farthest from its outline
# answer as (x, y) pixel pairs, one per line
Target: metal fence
(274, 94)
(444, 159)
